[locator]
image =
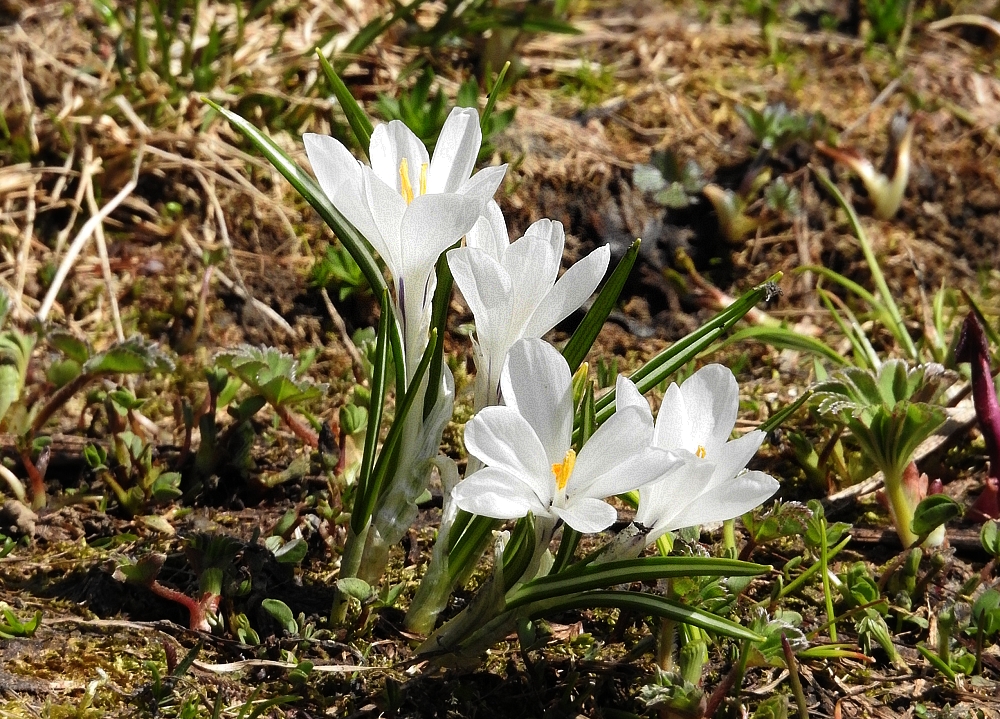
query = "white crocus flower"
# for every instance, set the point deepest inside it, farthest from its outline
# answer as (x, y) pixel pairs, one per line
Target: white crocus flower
(525, 446)
(695, 421)
(408, 206)
(514, 289)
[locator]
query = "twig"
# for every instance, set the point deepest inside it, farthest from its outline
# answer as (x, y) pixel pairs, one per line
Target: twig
(345, 339)
(102, 251)
(220, 220)
(29, 108)
(22, 253)
(81, 238)
(886, 93)
(982, 21)
(86, 173)
(234, 288)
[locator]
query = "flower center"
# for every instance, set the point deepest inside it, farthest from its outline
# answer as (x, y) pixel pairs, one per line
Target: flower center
(404, 181)
(562, 470)
(701, 452)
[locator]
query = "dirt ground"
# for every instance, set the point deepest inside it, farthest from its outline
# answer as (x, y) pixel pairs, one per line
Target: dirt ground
(640, 77)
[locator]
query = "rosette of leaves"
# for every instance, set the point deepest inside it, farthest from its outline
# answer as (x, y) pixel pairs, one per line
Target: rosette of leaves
(131, 474)
(273, 375)
(776, 127)
(670, 183)
(889, 412)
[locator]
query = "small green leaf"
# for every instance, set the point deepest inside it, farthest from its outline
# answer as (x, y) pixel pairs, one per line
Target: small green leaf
(934, 511)
(69, 345)
(292, 552)
(357, 588)
(281, 614)
(133, 356)
(990, 537)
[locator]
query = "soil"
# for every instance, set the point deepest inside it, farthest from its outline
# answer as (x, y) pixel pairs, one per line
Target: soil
(639, 77)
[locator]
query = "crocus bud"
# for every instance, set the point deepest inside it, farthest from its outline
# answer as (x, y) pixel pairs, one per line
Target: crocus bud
(974, 349)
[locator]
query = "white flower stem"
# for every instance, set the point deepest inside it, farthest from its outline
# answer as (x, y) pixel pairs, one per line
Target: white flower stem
(435, 587)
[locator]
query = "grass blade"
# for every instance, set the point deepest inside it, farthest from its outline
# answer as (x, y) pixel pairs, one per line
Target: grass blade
(678, 354)
(784, 338)
(580, 343)
(361, 126)
(376, 404)
(306, 186)
(897, 326)
(608, 574)
(645, 605)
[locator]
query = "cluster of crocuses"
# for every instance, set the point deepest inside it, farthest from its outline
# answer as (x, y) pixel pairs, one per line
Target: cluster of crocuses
(411, 208)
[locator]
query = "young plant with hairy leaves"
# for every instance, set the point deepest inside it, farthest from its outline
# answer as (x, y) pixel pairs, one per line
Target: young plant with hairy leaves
(273, 375)
(889, 412)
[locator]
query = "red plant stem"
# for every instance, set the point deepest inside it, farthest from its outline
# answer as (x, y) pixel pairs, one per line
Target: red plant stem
(38, 500)
(973, 348)
(199, 620)
(300, 428)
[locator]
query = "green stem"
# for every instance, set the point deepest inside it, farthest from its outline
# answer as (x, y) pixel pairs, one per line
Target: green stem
(793, 677)
(350, 563)
(800, 580)
(825, 568)
(729, 538)
(667, 639)
(901, 507)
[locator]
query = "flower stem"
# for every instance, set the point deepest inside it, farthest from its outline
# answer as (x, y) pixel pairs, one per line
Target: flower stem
(900, 506)
(825, 568)
(793, 677)
(350, 563)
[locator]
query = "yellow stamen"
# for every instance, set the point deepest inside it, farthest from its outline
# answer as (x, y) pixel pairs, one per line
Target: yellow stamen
(404, 181)
(562, 470)
(701, 452)
(423, 179)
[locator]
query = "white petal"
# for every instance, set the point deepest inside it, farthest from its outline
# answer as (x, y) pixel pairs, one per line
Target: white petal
(732, 458)
(456, 151)
(553, 233)
(726, 501)
(624, 435)
(500, 437)
(431, 224)
(391, 143)
(627, 395)
(537, 384)
(494, 493)
(486, 287)
(388, 209)
(490, 232)
(672, 427)
(484, 183)
(712, 398)
(639, 470)
(339, 175)
(660, 502)
(587, 515)
(527, 261)
(570, 292)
